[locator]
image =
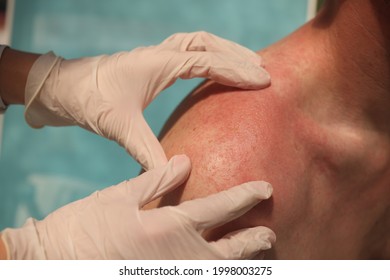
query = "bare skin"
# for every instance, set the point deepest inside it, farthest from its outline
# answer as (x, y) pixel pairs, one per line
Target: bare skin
(14, 68)
(319, 135)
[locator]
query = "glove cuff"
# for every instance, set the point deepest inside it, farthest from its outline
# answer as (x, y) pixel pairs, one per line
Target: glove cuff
(40, 71)
(23, 243)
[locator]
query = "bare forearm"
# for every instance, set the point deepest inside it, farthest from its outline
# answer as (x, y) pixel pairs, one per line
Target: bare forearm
(14, 68)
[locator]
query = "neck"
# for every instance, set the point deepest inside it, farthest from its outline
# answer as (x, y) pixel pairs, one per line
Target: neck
(345, 50)
(336, 70)
(357, 37)
(356, 33)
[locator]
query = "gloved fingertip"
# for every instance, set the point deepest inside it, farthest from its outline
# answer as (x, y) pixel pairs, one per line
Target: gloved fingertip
(261, 188)
(265, 238)
(181, 163)
(263, 78)
(261, 62)
(269, 188)
(273, 238)
(256, 78)
(251, 242)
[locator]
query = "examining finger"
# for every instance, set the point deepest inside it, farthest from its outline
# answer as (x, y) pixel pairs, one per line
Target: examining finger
(245, 243)
(203, 41)
(214, 43)
(235, 72)
(221, 68)
(222, 207)
(156, 182)
(182, 42)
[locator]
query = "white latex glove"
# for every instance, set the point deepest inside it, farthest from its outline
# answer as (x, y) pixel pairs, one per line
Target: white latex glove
(107, 94)
(110, 224)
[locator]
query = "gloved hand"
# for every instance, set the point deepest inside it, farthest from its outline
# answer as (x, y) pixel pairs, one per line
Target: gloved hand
(107, 94)
(110, 224)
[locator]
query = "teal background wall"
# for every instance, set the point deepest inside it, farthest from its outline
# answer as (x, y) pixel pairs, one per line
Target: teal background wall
(41, 170)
